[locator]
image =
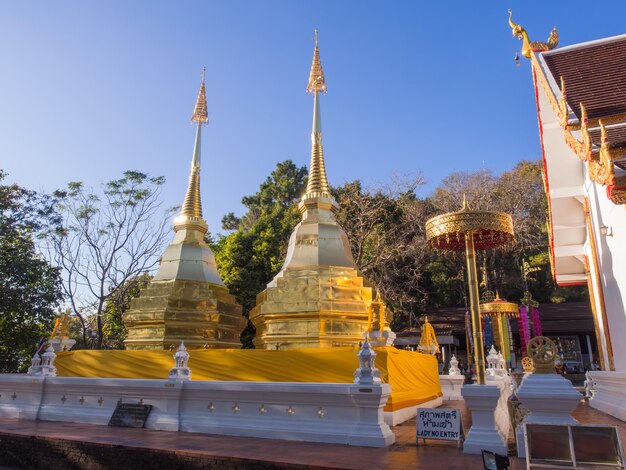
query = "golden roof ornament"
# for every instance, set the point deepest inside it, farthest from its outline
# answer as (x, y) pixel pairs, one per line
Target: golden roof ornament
(529, 46)
(191, 210)
(316, 76)
(200, 112)
(377, 316)
(317, 185)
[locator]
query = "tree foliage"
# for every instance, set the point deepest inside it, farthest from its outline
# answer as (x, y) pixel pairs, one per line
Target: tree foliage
(101, 241)
(386, 231)
(249, 257)
(29, 286)
(386, 228)
(116, 305)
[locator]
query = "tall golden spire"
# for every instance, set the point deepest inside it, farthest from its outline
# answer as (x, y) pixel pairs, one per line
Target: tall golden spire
(191, 210)
(317, 185)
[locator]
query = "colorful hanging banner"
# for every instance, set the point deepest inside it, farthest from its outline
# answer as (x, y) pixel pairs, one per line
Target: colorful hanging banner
(524, 332)
(505, 338)
(468, 328)
(536, 322)
(488, 332)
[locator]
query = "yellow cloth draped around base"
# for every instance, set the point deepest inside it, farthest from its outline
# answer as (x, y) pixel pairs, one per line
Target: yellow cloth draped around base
(414, 377)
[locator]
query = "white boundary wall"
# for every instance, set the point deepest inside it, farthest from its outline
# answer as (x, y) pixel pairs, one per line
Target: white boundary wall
(338, 413)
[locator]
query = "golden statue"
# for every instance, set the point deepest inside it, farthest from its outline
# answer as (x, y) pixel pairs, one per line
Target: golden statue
(187, 299)
(62, 326)
(318, 299)
(428, 341)
(529, 46)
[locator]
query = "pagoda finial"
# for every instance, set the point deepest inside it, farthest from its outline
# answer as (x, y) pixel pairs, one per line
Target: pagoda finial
(191, 210)
(316, 76)
(317, 185)
(200, 113)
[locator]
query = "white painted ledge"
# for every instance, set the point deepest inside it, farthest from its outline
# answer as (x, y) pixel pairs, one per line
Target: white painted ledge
(339, 413)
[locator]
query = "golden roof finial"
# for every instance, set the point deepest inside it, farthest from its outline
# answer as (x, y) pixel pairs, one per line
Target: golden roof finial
(464, 207)
(317, 185)
(200, 113)
(191, 210)
(529, 46)
(316, 76)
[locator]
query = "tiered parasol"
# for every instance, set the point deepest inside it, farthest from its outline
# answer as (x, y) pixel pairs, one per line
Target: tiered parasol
(470, 231)
(500, 310)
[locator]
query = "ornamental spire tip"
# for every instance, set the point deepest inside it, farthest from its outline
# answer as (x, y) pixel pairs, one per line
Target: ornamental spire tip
(316, 76)
(200, 112)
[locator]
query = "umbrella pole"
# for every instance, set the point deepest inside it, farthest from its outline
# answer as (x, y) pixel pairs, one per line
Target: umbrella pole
(472, 280)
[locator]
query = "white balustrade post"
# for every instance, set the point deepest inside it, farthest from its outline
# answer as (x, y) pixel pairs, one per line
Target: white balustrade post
(454, 366)
(35, 366)
(181, 370)
(47, 363)
(367, 373)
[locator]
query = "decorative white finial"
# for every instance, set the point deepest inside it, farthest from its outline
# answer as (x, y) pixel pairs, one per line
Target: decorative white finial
(589, 385)
(181, 371)
(501, 362)
(35, 366)
(492, 360)
(454, 366)
(367, 373)
(46, 369)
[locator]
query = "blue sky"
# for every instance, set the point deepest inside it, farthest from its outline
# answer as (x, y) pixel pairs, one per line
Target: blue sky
(90, 89)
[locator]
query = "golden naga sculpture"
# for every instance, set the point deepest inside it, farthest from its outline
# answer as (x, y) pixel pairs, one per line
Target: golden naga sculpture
(529, 46)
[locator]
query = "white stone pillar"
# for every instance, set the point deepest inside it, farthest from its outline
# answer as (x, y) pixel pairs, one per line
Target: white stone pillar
(483, 400)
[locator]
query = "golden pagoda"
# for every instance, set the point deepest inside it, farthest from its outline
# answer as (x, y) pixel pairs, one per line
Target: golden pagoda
(318, 299)
(186, 300)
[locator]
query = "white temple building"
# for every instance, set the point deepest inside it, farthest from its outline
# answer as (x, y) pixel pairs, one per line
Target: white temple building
(581, 106)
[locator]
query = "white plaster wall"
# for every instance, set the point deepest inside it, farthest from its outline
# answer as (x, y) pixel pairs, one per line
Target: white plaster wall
(612, 259)
(317, 412)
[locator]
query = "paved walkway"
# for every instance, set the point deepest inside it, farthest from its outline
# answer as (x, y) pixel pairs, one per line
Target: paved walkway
(404, 454)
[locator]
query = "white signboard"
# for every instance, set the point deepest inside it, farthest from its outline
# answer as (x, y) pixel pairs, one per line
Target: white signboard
(442, 423)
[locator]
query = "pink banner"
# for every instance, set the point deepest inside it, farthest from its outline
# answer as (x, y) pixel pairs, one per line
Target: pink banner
(524, 333)
(536, 322)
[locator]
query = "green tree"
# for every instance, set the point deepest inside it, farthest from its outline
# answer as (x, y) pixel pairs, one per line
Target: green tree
(29, 286)
(520, 193)
(101, 241)
(116, 305)
(386, 233)
(248, 258)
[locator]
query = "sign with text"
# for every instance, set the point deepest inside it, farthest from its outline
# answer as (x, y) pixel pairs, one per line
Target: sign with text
(443, 423)
(128, 415)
